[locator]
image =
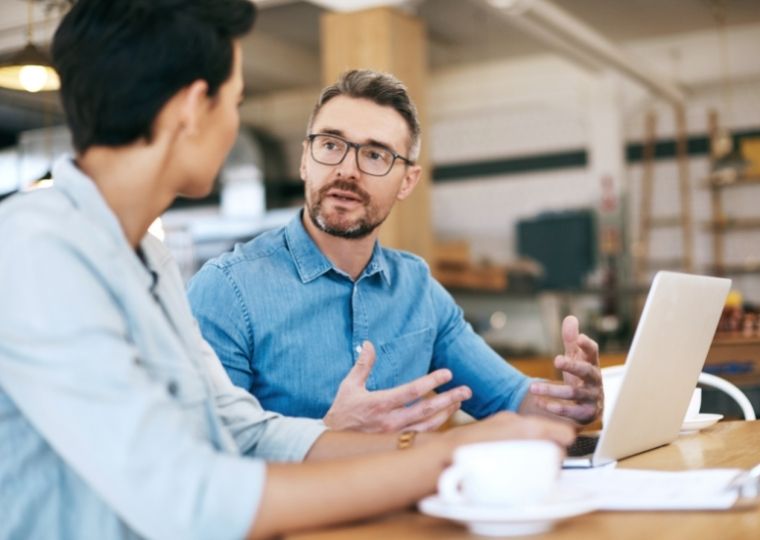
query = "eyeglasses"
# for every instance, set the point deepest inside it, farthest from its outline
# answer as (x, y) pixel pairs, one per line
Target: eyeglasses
(372, 159)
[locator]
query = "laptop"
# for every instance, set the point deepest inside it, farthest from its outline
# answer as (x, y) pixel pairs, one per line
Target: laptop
(666, 356)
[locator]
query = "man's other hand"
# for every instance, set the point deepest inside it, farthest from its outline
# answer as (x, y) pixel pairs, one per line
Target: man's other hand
(579, 397)
(356, 408)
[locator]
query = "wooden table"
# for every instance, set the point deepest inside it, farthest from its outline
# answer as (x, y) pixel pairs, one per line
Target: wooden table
(727, 444)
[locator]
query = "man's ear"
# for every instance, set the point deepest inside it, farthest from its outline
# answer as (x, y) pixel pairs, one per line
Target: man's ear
(194, 104)
(304, 157)
(411, 178)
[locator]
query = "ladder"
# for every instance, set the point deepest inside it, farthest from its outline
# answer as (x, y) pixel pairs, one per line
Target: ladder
(682, 218)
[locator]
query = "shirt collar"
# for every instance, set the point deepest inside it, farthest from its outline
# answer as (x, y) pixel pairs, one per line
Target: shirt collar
(312, 263)
(87, 199)
(378, 263)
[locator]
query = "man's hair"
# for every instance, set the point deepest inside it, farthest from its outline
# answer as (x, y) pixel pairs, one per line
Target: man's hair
(120, 61)
(381, 88)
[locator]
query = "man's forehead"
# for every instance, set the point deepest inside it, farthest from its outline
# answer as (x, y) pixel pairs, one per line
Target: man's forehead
(361, 120)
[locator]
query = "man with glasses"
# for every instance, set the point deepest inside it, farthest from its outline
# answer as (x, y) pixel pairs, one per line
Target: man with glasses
(317, 319)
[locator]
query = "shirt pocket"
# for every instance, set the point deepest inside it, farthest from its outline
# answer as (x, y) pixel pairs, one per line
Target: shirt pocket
(402, 359)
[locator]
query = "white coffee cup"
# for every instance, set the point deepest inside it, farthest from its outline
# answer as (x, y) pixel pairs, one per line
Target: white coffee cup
(694, 405)
(507, 473)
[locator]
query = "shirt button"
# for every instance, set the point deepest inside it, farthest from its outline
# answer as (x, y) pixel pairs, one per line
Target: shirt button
(172, 387)
(358, 349)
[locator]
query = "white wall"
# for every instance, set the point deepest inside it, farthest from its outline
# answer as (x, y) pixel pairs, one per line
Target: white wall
(543, 104)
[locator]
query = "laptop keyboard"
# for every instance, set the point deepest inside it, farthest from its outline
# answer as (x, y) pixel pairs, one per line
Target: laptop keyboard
(582, 446)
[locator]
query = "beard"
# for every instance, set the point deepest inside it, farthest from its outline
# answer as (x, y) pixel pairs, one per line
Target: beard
(337, 224)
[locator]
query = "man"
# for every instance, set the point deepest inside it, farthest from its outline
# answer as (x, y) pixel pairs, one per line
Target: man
(116, 418)
(287, 313)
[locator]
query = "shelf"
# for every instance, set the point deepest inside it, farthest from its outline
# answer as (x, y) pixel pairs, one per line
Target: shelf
(733, 224)
(718, 181)
(665, 264)
(736, 358)
(666, 221)
(735, 340)
(734, 269)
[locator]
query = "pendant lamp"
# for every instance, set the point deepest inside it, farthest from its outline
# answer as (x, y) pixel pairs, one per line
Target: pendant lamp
(29, 69)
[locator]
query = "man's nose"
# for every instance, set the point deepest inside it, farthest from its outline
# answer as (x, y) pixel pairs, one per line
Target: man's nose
(349, 167)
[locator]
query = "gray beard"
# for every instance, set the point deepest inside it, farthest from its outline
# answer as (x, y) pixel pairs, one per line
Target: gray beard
(361, 230)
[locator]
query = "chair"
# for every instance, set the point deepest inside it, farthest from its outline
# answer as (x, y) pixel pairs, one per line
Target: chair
(610, 373)
(713, 381)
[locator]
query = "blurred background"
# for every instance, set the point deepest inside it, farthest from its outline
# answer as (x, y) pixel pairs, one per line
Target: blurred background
(572, 148)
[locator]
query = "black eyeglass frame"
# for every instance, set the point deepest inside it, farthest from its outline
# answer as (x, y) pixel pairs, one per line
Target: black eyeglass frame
(356, 146)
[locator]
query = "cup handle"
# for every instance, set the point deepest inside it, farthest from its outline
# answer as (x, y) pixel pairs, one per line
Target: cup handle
(448, 485)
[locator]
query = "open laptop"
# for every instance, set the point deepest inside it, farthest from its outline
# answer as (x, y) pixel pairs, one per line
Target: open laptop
(666, 356)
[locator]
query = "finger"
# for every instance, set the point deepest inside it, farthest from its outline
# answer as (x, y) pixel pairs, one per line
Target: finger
(363, 367)
(568, 392)
(570, 335)
(414, 390)
(589, 348)
(435, 421)
(582, 413)
(431, 406)
(585, 371)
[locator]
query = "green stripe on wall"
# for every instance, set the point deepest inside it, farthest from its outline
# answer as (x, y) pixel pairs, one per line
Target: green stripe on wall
(540, 162)
(664, 149)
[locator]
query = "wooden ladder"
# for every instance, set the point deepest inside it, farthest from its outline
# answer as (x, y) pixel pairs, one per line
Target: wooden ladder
(682, 218)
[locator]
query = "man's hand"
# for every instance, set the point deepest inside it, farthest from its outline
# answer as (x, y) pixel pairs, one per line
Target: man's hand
(356, 408)
(580, 398)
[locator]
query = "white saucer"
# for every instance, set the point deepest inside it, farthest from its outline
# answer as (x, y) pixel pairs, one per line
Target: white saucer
(701, 421)
(511, 520)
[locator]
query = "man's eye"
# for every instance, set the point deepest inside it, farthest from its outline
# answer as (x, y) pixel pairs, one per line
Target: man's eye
(376, 154)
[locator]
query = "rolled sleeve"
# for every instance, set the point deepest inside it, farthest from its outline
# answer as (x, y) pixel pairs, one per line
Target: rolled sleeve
(495, 384)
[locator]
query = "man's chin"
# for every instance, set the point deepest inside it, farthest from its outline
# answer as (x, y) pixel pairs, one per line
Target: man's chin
(341, 229)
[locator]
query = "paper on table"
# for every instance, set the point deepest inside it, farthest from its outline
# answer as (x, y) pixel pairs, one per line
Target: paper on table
(636, 489)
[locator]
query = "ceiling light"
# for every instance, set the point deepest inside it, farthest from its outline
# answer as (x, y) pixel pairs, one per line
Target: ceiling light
(29, 69)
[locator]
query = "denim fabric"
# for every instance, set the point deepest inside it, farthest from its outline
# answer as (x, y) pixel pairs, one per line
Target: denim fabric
(116, 418)
(287, 325)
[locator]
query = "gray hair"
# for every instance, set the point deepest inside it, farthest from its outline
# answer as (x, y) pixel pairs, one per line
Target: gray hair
(380, 88)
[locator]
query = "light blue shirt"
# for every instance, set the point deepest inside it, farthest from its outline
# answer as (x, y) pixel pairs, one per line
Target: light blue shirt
(116, 418)
(288, 325)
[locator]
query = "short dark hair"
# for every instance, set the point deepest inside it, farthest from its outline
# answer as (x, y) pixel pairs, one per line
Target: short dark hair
(120, 61)
(381, 88)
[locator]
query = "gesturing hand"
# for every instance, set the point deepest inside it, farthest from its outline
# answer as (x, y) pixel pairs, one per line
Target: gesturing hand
(580, 398)
(356, 408)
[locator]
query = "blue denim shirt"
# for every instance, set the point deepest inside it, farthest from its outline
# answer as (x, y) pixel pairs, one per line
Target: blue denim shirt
(116, 418)
(287, 325)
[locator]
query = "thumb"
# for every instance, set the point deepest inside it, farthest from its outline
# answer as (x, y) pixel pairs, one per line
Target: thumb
(363, 366)
(570, 335)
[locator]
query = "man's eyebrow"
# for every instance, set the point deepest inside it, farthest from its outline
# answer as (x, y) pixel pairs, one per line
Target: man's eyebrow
(381, 143)
(331, 131)
(339, 133)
